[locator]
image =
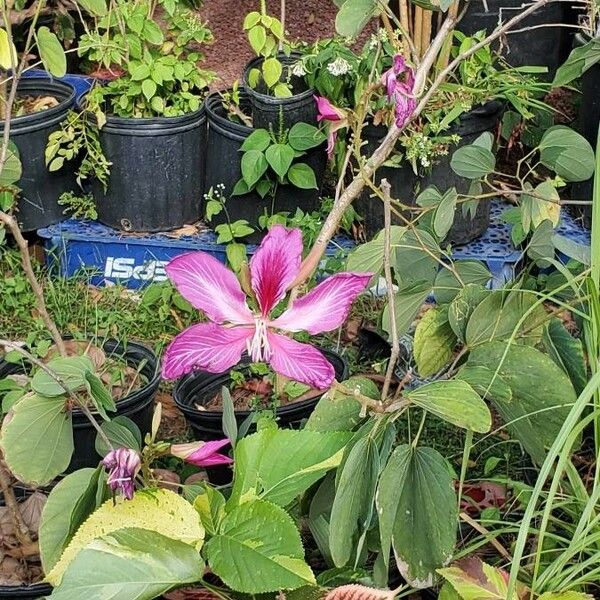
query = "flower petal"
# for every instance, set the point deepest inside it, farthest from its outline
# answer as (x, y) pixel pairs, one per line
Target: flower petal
(300, 362)
(202, 454)
(211, 461)
(206, 346)
(211, 287)
(326, 306)
(275, 265)
(327, 111)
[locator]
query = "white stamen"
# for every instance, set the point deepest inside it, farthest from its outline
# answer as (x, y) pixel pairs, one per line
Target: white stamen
(258, 348)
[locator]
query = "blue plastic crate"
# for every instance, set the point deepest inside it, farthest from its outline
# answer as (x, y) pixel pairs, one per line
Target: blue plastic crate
(81, 83)
(110, 256)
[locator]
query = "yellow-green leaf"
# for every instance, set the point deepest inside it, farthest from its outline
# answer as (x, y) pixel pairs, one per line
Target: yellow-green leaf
(51, 52)
(8, 53)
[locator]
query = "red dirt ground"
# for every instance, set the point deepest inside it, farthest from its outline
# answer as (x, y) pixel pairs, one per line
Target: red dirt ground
(309, 20)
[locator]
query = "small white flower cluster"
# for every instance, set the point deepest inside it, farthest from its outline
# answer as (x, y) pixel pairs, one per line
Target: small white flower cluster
(340, 66)
(217, 192)
(379, 37)
(298, 69)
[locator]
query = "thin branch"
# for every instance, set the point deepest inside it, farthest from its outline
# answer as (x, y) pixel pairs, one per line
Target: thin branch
(10, 500)
(387, 268)
(38, 292)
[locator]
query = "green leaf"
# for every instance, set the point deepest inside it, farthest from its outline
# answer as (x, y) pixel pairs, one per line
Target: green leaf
(579, 61)
(480, 582)
(407, 301)
(13, 169)
(8, 52)
(271, 71)
(257, 36)
(337, 411)
(434, 342)
(257, 140)
(542, 394)
(353, 15)
(430, 196)
(210, 504)
(544, 205)
(447, 286)
(418, 515)
(51, 52)
(444, 213)
(368, 258)
(100, 396)
(413, 258)
(230, 428)
(146, 510)
(69, 504)
(282, 90)
(302, 176)
(541, 246)
(483, 381)
(472, 162)
(567, 153)
(303, 136)
(38, 440)
(148, 88)
(579, 252)
(236, 255)
(70, 370)
(567, 352)
(152, 33)
(97, 8)
(254, 165)
(251, 19)
(280, 157)
(455, 402)
(119, 565)
(259, 469)
(122, 432)
(258, 549)
(354, 497)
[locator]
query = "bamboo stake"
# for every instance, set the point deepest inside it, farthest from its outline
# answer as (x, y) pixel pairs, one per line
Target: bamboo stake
(426, 31)
(444, 57)
(405, 22)
(418, 29)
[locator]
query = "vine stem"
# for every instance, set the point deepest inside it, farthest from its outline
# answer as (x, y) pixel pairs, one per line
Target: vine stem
(72, 396)
(10, 500)
(389, 283)
(387, 145)
(38, 292)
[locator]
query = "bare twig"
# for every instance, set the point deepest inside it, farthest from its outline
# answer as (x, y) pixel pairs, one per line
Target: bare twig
(38, 292)
(387, 269)
(10, 500)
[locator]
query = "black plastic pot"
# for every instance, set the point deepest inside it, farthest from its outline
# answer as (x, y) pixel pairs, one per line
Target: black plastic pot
(156, 178)
(23, 592)
(199, 387)
(589, 120)
(137, 406)
(267, 110)
(223, 166)
(545, 46)
(40, 189)
(406, 185)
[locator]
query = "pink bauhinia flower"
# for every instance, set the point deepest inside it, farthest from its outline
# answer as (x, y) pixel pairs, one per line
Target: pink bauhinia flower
(337, 118)
(123, 465)
(202, 454)
(217, 346)
(399, 82)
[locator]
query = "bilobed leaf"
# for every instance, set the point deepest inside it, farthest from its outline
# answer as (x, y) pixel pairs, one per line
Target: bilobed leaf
(541, 246)
(280, 157)
(355, 493)
(51, 52)
(472, 162)
(579, 61)
(69, 504)
(302, 176)
(260, 470)
(353, 15)
(8, 52)
(120, 565)
(253, 165)
(70, 370)
(407, 301)
(303, 136)
(485, 382)
(567, 352)
(542, 394)
(414, 257)
(455, 402)
(99, 395)
(542, 204)
(447, 286)
(121, 432)
(146, 510)
(368, 258)
(417, 509)
(434, 342)
(38, 440)
(258, 549)
(443, 217)
(573, 249)
(567, 153)
(97, 8)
